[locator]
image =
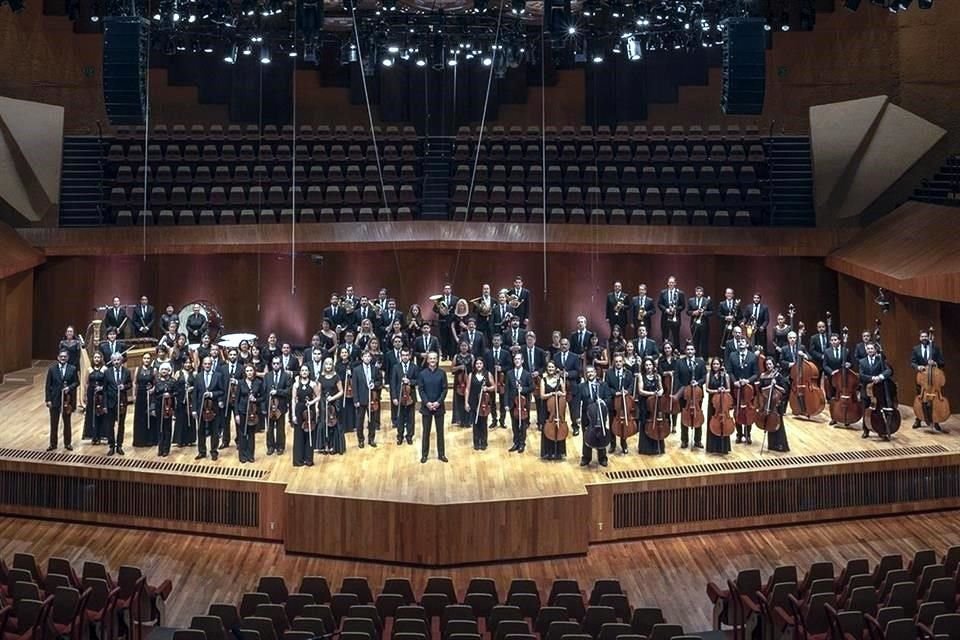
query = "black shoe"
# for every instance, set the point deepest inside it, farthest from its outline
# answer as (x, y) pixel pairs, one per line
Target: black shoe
(936, 426)
(280, 452)
(603, 462)
(698, 445)
(684, 445)
(623, 450)
(269, 452)
(111, 451)
(522, 448)
(361, 444)
(583, 462)
(69, 447)
(443, 459)
(833, 422)
(409, 439)
(214, 455)
(739, 439)
(200, 456)
(513, 448)
(399, 441)
(309, 463)
(916, 424)
(576, 432)
(373, 444)
(51, 448)
(865, 434)
(613, 448)
(225, 444)
(120, 451)
(423, 460)
(95, 441)
(749, 440)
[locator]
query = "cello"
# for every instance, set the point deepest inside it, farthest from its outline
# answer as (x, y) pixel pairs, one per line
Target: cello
(659, 413)
(624, 423)
(883, 414)
(721, 423)
(744, 412)
(556, 427)
(806, 396)
(930, 406)
(692, 414)
(845, 406)
(768, 401)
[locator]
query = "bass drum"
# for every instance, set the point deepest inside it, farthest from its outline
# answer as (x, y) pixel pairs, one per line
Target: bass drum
(210, 311)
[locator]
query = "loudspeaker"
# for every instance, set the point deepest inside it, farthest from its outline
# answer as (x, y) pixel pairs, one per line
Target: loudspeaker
(744, 66)
(126, 42)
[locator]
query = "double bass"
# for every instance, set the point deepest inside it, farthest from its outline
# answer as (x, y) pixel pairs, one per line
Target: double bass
(930, 405)
(625, 424)
(660, 409)
(767, 403)
(806, 396)
(883, 414)
(556, 427)
(721, 422)
(845, 405)
(692, 414)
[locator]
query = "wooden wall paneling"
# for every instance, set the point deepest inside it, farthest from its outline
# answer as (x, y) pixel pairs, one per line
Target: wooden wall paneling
(949, 340)
(16, 321)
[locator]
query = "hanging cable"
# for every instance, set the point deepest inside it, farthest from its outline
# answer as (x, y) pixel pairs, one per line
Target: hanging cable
(543, 140)
(293, 168)
(483, 122)
(146, 149)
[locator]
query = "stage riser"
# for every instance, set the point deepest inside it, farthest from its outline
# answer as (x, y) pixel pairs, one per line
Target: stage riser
(719, 502)
(213, 506)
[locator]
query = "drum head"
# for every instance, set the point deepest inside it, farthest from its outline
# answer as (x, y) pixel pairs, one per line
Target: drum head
(233, 340)
(210, 311)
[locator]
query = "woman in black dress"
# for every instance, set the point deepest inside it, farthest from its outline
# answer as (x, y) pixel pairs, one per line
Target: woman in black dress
(616, 344)
(554, 347)
(243, 352)
(780, 331)
(73, 345)
(180, 353)
(203, 350)
(649, 385)
(376, 355)
(328, 339)
(257, 361)
(480, 382)
(667, 366)
(165, 399)
(144, 422)
(94, 422)
(551, 387)
(717, 379)
(185, 429)
(332, 389)
(462, 366)
(396, 330)
(776, 440)
(346, 412)
(595, 356)
(305, 426)
(630, 359)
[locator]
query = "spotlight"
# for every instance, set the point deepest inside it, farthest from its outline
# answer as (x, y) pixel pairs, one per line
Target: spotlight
(157, 16)
(597, 58)
(208, 48)
(256, 39)
(247, 50)
(231, 55)
(192, 18)
(518, 6)
(393, 49)
(452, 62)
(265, 57)
(421, 62)
(572, 30)
(387, 62)
(175, 17)
(487, 61)
(634, 50)
(94, 18)
(292, 53)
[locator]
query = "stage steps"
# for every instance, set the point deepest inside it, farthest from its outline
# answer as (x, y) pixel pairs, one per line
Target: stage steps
(435, 197)
(791, 181)
(34, 375)
(81, 184)
(944, 187)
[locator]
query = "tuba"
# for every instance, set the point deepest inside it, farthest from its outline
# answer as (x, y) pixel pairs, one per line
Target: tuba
(347, 306)
(440, 304)
(483, 308)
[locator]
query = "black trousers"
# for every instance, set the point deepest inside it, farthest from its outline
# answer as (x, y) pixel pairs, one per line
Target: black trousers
(670, 331)
(498, 407)
(225, 422)
(207, 430)
(405, 423)
(744, 430)
(429, 421)
(277, 433)
(165, 435)
(587, 453)
(480, 431)
(246, 438)
(55, 414)
(519, 429)
(701, 339)
(373, 423)
(303, 442)
(115, 428)
(685, 434)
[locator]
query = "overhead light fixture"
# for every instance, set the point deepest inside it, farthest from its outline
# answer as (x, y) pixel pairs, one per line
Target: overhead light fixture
(265, 57)
(421, 62)
(387, 61)
(487, 61)
(231, 55)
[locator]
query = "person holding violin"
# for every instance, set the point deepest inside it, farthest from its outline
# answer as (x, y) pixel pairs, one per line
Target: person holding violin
(60, 396)
(208, 385)
(519, 386)
(743, 370)
(718, 384)
(498, 361)
(924, 355)
(873, 370)
(568, 364)
(480, 389)
(649, 385)
(333, 440)
(462, 366)
(620, 381)
(595, 417)
(691, 374)
(772, 375)
(304, 417)
(403, 395)
(248, 413)
(554, 398)
(95, 412)
(367, 382)
(667, 368)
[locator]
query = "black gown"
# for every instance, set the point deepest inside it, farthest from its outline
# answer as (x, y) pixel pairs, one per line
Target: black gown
(335, 437)
(715, 444)
(347, 413)
(73, 348)
(552, 449)
(648, 445)
(478, 422)
(94, 426)
(185, 428)
(305, 436)
(777, 440)
(145, 431)
(459, 401)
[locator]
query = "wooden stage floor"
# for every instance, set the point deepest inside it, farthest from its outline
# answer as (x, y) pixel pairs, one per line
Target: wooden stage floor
(479, 493)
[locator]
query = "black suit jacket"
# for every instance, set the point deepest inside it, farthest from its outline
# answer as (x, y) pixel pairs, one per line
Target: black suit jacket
(817, 345)
(398, 373)
(513, 337)
(112, 386)
(763, 315)
(524, 309)
(143, 320)
(933, 353)
(282, 383)
(879, 368)
(570, 368)
(614, 383)
(577, 344)
(55, 383)
(648, 349)
(539, 359)
(478, 344)
(218, 388)
(706, 304)
(788, 357)
(726, 308)
(432, 344)
(432, 386)
(196, 327)
(589, 399)
(686, 374)
(749, 371)
(112, 318)
(361, 386)
(385, 320)
(525, 381)
(832, 363)
(663, 302)
(648, 303)
(336, 316)
(243, 394)
(498, 316)
(107, 350)
(613, 317)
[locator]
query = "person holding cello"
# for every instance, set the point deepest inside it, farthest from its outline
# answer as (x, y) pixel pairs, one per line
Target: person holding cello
(595, 417)
(837, 370)
(553, 397)
(720, 422)
(927, 358)
(873, 370)
(622, 410)
(691, 374)
(655, 419)
(772, 379)
(569, 366)
(498, 361)
(743, 369)
(667, 368)
(519, 386)
(479, 402)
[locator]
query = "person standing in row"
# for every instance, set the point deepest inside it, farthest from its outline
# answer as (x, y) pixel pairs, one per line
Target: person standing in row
(305, 396)
(278, 383)
(367, 383)
(519, 386)
(595, 409)
(95, 414)
(432, 385)
(248, 412)
(60, 395)
(480, 390)
(209, 397)
(164, 407)
(403, 396)
(671, 304)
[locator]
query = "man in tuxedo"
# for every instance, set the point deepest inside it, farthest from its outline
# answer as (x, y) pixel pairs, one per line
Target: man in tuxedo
(62, 381)
(500, 314)
(518, 383)
(645, 346)
(732, 345)
(729, 312)
(432, 386)
(671, 303)
(792, 352)
(364, 312)
(315, 365)
(691, 371)
(924, 355)
(289, 361)
(115, 316)
(836, 358)
(473, 337)
(617, 308)
(594, 414)
(535, 361)
(873, 369)
(483, 322)
(367, 382)
(118, 383)
(232, 372)
(580, 337)
(568, 363)
(860, 351)
(196, 325)
(278, 385)
(817, 345)
(335, 314)
(143, 319)
(699, 309)
(443, 309)
(350, 345)
(111, 345)
(515, 335)
(498, 361)
(744, 371)
(523, 310)
(404, 373)
(388, 316)
(620, 381)
(642, 302)
(424, 345)
(758, 314)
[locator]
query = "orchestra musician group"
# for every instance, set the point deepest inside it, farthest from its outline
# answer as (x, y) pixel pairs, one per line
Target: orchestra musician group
(191, 391)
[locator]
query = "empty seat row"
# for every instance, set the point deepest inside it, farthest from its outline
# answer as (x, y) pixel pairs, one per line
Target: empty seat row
(671, 197)
(615, 216)
(188, 217)
(604, 133)
(279, 174)
(173, 152)
(589, 153)
(274, 195)
(572, 175)
(270, 132)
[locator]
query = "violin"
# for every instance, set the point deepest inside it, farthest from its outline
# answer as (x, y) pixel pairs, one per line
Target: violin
(252, 417)
(501, 382)
(930, 405)
(520, 405)
(406, 394)
(485, 405)
(624, 423)
(275, 412)
(556, 427)
(99, 404)
(845, 406)
(168, 404)
(767, 403)
(461, 383)
(806, 396)
(660, 413)
(330, 412)
(374, 401)
(721, 422)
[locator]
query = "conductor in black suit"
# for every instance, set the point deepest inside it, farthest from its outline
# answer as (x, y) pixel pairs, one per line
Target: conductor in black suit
(432, 387)
(925, 354)
(143, 319)
(671, 303)
(873, 369)
(62, 380)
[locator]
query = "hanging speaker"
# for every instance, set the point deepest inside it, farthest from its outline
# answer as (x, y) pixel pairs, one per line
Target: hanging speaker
(744, 66)
(126, 42)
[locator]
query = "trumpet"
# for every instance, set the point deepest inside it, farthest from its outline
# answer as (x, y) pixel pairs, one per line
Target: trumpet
(618, 307)
(513, 300)
(672, 314)
(733, 314)
(698, 319)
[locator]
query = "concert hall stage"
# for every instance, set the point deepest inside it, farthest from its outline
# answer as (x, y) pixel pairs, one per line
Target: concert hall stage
(382, 504)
